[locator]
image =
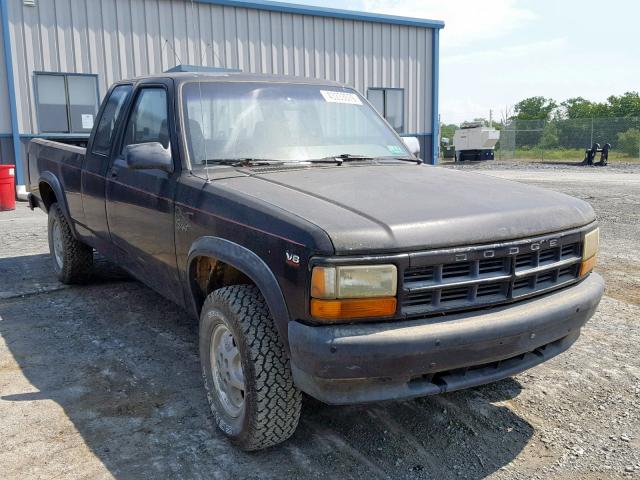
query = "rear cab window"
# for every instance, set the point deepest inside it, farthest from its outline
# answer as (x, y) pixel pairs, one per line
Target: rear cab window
(110, 119)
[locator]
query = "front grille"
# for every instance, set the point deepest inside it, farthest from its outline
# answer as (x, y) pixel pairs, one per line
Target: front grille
(456, 270)
(424, 274)
(458, 279)
(492, 266)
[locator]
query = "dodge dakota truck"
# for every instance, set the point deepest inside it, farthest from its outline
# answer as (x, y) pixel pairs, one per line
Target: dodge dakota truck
(318, 252)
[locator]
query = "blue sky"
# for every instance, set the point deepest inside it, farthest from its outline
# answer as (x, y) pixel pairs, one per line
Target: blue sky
(497, 52)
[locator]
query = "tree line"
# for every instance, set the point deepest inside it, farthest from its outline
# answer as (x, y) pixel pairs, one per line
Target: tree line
(626, 105)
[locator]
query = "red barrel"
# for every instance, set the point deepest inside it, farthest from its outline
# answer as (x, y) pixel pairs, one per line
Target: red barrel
(7, 187)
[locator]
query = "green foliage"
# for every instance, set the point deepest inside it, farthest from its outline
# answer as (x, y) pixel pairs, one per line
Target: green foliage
(629, 142)
(448, 131)
(549, 137)
(534, 108)
(625, 105)
(578, 108)
(575, 123)
(576, 133)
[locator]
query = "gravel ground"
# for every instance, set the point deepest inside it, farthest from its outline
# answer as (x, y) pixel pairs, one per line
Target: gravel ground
(103, 381)
(538, 165)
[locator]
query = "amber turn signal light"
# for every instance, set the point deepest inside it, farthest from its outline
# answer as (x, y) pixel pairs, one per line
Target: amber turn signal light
(347, 309)
(587, 266)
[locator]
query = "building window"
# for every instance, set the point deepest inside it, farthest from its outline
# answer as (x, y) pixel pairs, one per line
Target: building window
(66, 102)
(390, 104)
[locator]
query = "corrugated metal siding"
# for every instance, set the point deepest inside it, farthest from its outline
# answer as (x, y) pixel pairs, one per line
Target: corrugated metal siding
(126, 38)
(5, 116)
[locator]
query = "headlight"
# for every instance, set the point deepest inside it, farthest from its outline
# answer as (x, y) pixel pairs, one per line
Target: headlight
(354, 282)
(591, 244)
(348, 292)
(589, 251)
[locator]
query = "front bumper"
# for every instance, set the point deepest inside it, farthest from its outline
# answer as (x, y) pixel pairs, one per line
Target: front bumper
(343, 364)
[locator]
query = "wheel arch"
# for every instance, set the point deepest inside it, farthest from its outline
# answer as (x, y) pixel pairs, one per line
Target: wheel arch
(51, 191)
(248, 263)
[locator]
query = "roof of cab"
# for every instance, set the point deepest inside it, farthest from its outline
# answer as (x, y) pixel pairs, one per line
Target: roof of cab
(183, 77)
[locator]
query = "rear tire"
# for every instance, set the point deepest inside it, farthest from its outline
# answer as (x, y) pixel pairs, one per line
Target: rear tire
(72, 259)
(246, 369)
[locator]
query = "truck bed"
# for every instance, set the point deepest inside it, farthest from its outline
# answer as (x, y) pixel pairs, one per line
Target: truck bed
(60, 159)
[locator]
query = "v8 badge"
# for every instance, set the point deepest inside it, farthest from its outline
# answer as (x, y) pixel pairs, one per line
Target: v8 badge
(293, 259)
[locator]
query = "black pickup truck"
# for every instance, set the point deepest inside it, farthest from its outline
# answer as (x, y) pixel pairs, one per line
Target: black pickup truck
(318, 252)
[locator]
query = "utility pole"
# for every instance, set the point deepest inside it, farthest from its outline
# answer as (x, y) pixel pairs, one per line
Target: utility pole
(490, 118)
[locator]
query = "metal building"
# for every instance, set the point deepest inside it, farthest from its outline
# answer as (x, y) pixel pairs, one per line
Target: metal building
(58, 57)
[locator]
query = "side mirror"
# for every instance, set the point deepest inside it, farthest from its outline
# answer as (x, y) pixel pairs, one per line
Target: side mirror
(413, 144)
(148, 156)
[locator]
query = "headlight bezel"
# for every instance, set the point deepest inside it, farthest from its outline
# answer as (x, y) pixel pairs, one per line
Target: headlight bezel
(590, 248)
(340, 282)
(342, 304)
(591, 244)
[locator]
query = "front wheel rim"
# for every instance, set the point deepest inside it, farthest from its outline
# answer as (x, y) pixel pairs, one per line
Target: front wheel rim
(226, 368)
(58, 246)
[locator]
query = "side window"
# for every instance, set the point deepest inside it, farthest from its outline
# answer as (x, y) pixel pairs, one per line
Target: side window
(109, 119)
(148, 119)
(389, 102)
(52, 103)
(394, 109)
(376, 97)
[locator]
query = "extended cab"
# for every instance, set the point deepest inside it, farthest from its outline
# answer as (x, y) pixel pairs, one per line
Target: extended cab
(318, 252)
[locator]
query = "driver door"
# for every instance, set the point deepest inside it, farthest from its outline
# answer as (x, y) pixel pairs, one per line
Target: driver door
(140, 203)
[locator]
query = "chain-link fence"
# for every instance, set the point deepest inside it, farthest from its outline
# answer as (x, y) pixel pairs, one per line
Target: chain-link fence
(568, 139)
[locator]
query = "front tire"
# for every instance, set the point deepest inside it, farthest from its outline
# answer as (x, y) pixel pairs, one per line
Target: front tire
(72, 259)
(246, 369)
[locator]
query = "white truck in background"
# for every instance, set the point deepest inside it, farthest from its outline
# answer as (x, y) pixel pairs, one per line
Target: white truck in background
(474, 141)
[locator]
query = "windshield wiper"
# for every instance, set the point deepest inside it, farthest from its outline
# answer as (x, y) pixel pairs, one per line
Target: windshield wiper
(347, 157)
(241, 162)
(417, 160)
(334, 159)
(340, 159)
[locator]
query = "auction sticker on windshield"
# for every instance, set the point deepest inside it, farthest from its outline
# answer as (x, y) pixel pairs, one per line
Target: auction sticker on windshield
(341, 97)
(396, 149)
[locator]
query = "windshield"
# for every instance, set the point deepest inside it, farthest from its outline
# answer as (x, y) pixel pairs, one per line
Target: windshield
(284, 122)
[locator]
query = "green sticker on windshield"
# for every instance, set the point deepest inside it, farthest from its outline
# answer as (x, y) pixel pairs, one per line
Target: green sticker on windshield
(396, 150)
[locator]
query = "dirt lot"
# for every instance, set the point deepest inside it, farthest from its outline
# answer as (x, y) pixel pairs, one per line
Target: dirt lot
(103, 381)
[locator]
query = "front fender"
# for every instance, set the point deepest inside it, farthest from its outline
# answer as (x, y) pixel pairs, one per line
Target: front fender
(253, 267)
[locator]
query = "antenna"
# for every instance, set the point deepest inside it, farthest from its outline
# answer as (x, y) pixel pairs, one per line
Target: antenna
(175, 54)
(215, 55)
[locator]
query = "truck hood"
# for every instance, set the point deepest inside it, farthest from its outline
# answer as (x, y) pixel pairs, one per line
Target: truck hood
(403, 207)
